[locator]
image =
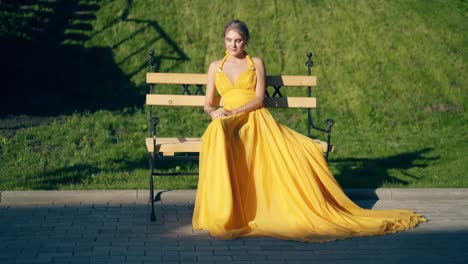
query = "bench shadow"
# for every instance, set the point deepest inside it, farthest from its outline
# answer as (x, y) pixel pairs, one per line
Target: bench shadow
(48, 71)
(374, 172)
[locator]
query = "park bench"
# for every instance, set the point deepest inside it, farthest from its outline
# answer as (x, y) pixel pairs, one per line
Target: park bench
(187, 148)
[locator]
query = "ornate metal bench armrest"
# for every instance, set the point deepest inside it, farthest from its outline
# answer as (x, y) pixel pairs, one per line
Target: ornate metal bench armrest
(329, 123)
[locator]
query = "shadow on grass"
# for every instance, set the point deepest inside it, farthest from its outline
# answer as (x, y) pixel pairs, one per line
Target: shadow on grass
(83, 174)
(374, 172)
(47, 70)
(353, 172)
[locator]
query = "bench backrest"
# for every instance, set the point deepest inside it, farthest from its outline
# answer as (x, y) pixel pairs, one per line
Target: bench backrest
(186, 79)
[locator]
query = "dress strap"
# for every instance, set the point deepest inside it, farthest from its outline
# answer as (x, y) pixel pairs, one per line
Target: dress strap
(251, 66)
(223, 61)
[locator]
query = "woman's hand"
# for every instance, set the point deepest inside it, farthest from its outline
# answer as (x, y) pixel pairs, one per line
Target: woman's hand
(220, 112)
(217, 113)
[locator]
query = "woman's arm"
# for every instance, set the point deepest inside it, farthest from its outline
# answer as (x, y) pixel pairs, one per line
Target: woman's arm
(209, 106)
(257, 102)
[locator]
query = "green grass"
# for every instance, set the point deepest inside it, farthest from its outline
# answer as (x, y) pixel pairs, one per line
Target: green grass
(391, 73)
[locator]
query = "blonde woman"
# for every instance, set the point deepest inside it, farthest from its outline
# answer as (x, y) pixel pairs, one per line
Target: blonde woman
(259, 177)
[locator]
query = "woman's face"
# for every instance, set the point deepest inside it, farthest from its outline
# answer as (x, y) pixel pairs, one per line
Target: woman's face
(234, 43)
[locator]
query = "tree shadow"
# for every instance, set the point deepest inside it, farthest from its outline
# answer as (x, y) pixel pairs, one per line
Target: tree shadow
(374, 172)
(48, 71)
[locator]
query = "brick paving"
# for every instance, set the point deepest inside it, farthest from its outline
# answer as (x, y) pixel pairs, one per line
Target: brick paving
(113, 228)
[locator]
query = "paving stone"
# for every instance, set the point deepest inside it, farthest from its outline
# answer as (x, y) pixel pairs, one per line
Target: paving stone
(119, 231)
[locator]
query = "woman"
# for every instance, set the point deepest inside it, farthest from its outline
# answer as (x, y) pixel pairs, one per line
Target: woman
(260, 178)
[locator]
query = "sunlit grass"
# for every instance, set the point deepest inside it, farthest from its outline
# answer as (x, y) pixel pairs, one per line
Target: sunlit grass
(391, 73)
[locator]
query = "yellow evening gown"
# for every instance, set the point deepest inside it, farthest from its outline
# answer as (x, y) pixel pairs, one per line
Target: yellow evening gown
(258, 177)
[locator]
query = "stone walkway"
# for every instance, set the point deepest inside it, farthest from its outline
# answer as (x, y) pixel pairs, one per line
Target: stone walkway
(114, 227)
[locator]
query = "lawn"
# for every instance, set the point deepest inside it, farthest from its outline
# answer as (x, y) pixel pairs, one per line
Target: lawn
(392, 74)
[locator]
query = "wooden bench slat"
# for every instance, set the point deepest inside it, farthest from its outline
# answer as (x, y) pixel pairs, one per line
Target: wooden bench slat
(176, 78)
(175, 100)
(186, 140)
(202, 78)
(290, 102)
(199, 100)
(169, 146)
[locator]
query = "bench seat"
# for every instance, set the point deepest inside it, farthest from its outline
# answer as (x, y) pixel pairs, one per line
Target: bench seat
(169, 146)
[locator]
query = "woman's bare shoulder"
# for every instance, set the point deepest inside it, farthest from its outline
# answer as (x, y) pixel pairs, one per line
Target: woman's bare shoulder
(257, 59)
(258, 62)
(215, 63)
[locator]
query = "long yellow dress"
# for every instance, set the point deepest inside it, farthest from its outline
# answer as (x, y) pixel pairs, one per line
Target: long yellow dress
(261, 178)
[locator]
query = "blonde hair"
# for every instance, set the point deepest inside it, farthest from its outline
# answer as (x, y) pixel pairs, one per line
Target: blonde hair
(238, 26)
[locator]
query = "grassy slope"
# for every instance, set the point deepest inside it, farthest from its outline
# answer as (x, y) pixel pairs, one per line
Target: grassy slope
(390, 73)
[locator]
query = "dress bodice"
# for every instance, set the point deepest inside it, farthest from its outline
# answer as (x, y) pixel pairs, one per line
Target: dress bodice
(238, 92)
